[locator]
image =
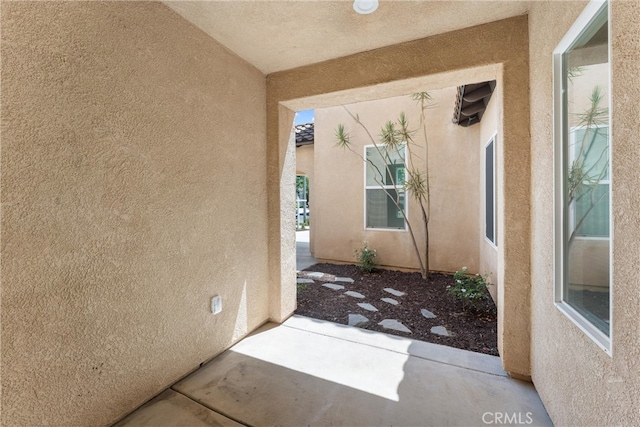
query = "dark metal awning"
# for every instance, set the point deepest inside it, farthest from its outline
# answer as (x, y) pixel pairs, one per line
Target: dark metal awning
(471, 102)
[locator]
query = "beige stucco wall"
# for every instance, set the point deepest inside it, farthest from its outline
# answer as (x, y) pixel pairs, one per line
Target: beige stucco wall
(490, 127)
(578, 382)
(304, 160)
(281, 197)
(305, 166)
(502, 46)
(453, 169)
(125, 206)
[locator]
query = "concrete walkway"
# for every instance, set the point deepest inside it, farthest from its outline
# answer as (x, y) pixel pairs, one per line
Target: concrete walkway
(303, 254)
(311, 372)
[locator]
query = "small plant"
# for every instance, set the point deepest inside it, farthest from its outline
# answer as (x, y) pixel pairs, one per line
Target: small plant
(367, 258)
(471, 289)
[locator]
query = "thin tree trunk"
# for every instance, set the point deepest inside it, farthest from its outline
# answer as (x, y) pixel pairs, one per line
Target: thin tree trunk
(424, 272)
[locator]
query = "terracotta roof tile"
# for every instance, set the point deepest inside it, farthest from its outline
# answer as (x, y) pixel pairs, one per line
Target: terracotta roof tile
(304, 134)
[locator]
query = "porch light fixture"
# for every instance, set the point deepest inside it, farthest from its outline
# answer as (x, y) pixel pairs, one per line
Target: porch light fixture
(365, 7)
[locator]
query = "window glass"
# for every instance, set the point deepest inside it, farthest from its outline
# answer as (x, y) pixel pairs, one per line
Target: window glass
(590, 148)
(382, 211)
(384, 182)
(584, 197)
(489, 192)
(384, 167)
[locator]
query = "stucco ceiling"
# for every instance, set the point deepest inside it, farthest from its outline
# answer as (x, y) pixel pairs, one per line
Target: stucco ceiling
(275, 35)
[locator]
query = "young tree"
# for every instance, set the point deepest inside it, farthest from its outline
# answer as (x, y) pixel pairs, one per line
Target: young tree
(394, 136)
(590, 163)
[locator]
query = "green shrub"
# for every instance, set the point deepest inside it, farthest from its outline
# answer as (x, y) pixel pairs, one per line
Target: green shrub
(367, 258)
(470, 289)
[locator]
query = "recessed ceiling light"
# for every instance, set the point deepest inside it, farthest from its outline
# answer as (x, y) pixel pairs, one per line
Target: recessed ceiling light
(365, 7)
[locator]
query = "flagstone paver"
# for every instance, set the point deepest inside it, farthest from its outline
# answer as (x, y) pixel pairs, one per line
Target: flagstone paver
(354, 294)
(394, 292)
(402, 301)
(395, 325)
(303, 280)
(426, 313)
(367, 306)
(316, 274)
(357, 319)
(441, 330)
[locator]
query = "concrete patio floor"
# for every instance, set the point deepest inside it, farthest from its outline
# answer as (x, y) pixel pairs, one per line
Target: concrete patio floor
(303, 253)
(312, 372)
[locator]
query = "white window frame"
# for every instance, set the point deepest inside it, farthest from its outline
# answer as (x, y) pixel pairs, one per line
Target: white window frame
(386, 187)
(494, 140)
(588, 16)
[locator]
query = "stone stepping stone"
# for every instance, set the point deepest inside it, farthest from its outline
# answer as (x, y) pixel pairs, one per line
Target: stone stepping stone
(367, 306)
(395, 325)
(315, 274)
(332, 286)
(394, 292)
(426, 313)
(343, 279)
(303, 280)
(441, 330)
(390, 301)
(354, 294)
(357, 320)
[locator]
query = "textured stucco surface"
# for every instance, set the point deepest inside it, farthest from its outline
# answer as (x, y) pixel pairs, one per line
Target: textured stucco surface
(304, 166)
(281, 202)
(304, 161)
(454, 170)
(503, 44)
(578, 382)
(125, 206)
(321, 30)
(490, 127)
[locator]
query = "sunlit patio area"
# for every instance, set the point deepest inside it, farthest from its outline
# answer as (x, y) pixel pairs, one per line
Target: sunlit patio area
(311, 372)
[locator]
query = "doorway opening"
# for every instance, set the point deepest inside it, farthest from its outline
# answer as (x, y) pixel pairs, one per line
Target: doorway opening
(350, 212)
(399, 70)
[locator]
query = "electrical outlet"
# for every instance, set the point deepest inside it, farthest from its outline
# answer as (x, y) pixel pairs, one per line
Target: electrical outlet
(216, 304)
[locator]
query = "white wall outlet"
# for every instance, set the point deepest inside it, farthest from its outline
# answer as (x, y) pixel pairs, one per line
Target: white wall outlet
(216, 304)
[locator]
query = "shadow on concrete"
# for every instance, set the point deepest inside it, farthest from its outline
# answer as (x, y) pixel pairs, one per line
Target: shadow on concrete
(311, 372)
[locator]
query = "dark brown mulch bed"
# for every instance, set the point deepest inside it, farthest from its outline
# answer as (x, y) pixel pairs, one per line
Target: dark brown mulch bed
(474, 330)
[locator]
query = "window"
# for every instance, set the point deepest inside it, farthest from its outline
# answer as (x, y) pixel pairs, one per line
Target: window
(385, 200)
(583, 176)
(490, 191)
(589, 154)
